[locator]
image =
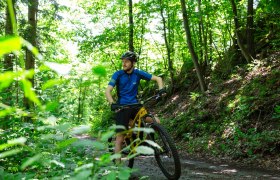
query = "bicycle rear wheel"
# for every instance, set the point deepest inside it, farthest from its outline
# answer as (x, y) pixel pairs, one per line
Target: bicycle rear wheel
(166, 156)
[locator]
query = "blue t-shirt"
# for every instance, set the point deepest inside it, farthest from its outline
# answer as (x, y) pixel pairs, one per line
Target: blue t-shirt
(128, 84)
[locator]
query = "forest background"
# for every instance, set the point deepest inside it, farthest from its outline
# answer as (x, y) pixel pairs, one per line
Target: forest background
(219, 61)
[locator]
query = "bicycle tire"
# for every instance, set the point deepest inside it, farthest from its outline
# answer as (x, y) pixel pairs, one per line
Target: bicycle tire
(172, 168)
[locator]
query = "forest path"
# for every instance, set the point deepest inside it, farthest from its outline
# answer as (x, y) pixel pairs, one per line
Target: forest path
(147, 168)
(197, 169)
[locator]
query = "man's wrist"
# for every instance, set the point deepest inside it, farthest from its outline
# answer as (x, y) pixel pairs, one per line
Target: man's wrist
(162, 91)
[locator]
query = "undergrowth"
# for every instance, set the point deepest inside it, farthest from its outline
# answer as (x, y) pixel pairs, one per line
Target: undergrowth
(238, 118)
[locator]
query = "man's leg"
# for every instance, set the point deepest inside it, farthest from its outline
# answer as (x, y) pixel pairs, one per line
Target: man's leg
(150, 120)
(122, 118)
(118, 145)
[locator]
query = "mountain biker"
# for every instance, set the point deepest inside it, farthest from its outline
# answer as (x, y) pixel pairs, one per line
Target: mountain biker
(126, 82)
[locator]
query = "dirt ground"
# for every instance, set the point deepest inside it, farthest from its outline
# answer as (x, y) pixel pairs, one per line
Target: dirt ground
(198, 169)
(194, 168)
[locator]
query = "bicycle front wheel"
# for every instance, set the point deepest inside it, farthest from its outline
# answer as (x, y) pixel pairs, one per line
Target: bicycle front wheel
(166, 154)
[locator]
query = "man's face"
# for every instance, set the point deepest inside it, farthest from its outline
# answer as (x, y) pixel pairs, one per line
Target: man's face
(127, 64)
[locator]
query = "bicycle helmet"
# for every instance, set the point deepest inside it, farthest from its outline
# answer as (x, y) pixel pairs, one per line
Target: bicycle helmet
(130, 56)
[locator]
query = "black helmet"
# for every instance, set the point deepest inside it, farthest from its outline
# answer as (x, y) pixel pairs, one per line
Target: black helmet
(130, 56)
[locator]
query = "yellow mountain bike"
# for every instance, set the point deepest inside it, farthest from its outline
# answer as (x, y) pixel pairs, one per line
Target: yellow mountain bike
(158, 139)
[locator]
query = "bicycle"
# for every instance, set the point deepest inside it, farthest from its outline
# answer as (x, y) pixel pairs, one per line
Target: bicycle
(165, 151)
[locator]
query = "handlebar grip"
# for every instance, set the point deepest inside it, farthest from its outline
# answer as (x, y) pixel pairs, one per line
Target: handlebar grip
(114, 107)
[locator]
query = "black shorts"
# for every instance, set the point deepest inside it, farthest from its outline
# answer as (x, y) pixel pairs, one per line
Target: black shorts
(123, 117)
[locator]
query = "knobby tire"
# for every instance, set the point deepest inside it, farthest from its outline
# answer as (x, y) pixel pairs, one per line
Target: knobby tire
(167, 144)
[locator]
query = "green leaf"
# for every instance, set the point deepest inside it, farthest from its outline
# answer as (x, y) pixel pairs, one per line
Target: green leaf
(144, 150)
(83, 175)
(10, 153)
(115, 156)
(32, 48)
(51, 106)
(51, 120)
(153, 144)
(66, 143)
(30, 161)
(83, 143)
(117, 127)
(98, 145)
(111, 176)
(124, 174)
(99, 71)
(51, 83)
(146, 130)
(64, 127)
(83, 167)
(6, 79)
(80, 129)
(8, 110)
(20, 140)
(10, 143)
(29, 92)
(9, 44)
(107, 135)
(58, 163)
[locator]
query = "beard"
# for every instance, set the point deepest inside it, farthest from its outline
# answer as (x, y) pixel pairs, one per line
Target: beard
(126, 69)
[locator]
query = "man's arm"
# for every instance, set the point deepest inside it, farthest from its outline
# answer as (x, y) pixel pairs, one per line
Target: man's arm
(108, 94)
(158, 80)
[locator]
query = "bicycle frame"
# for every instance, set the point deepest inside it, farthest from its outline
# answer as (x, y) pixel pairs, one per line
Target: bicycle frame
(165, 151)
(137, 119)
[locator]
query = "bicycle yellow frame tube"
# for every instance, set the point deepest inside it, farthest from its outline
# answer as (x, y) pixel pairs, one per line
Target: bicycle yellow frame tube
(141, 113)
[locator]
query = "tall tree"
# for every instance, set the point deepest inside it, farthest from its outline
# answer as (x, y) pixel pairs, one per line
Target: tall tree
(31, 37)
(191, 48)
(203, 33)
(167, 43)
(243, 49)
(8, 63)
(130, 14)
(250, 29)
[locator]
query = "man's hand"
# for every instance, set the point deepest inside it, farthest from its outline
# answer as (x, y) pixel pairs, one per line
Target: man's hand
(114, 106)
(162, 92)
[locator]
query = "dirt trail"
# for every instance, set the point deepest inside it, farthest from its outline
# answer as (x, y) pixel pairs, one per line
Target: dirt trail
(147, 168)
(196, 169)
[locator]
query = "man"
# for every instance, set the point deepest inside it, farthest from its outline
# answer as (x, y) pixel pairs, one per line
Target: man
(126, 82)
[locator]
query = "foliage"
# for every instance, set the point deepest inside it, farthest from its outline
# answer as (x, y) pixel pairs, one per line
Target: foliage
(79, 45)
(238, 119)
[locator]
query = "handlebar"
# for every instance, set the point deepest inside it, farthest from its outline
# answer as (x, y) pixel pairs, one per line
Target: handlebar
(118, 107)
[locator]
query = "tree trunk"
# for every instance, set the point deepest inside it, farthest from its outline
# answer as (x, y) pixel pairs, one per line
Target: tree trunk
(167, 45)
(205, 37)
(130, 43)
(8, 66)
(31, 37)
(243, 49)
(8, 59)
(80, 102)
(191, 49)
(250, 29)
(200, 32)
